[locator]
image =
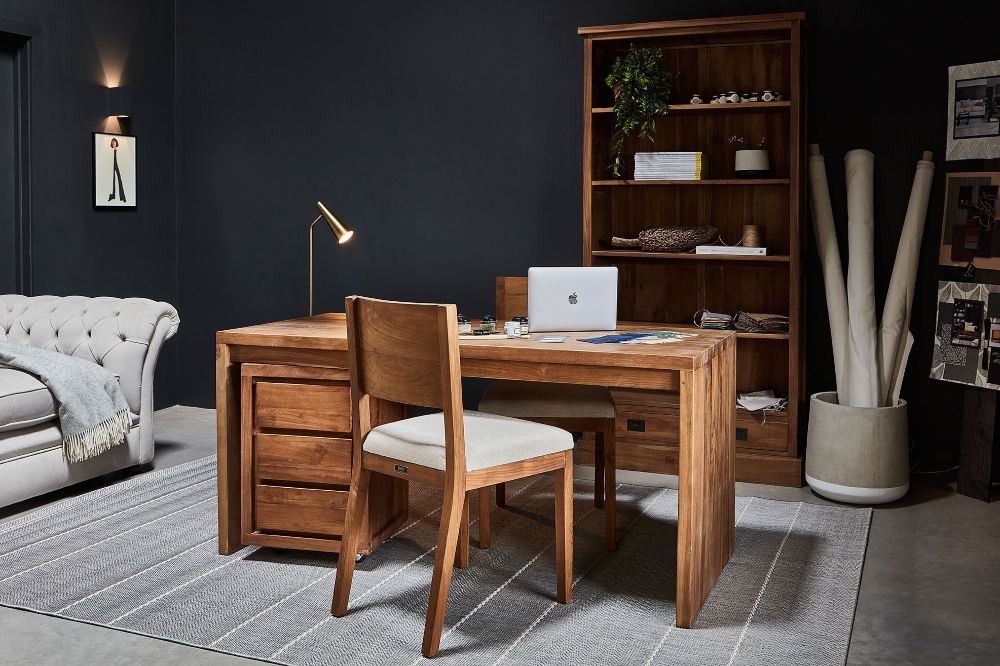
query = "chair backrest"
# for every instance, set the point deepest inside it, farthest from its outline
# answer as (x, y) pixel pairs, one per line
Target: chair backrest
(406, 353)
(512, 298)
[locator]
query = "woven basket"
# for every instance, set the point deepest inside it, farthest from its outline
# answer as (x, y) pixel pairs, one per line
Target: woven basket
(669, 239)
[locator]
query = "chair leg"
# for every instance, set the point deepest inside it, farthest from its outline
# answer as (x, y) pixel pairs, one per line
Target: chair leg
(563, 479)
(462, 549)
(451, 518)
(599, 469)
(484, 517)
(610, 491)
(357, 505)
(501, 494)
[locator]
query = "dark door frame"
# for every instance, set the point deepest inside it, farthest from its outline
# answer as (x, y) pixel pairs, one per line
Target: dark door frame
(24, 35)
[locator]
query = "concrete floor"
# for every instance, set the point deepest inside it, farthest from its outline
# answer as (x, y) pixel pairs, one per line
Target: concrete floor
(929, 593)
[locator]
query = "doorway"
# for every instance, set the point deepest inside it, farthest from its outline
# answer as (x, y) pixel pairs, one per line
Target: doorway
(15, 229)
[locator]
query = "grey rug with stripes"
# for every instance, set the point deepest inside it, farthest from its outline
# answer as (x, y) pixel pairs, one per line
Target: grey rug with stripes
(141, 556)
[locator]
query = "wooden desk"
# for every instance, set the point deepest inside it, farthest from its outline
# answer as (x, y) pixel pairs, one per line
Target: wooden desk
(702, 368)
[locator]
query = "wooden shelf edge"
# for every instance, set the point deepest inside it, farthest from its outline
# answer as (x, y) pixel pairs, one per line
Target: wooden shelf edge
(689, 256)
(740, 107)
(707, 182)
(763, 336)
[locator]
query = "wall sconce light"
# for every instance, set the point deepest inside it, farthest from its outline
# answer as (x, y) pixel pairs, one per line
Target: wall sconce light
(119, 103)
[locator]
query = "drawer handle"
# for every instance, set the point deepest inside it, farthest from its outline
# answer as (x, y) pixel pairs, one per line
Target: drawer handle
(401, 469)
(741, 435)
(636, 425)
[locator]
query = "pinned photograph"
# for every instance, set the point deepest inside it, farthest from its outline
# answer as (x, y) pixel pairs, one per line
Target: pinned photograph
(974, 111)
(966, 323)
(114, 171)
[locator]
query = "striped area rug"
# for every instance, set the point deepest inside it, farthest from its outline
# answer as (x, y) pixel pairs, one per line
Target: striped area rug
(140, 556)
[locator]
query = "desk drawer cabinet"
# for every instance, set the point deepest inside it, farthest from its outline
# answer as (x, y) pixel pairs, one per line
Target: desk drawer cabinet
(647, 435)
(296, 460)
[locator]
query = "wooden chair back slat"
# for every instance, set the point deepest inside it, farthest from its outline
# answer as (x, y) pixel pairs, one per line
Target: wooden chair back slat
(407, 353)
(511, 298)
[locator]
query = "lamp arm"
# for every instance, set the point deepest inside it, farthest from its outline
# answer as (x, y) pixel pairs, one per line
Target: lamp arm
(318, 218)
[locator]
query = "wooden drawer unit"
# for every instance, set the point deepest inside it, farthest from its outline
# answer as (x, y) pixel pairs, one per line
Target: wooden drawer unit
(304, 511)
(647, 433)
(302, 406)
(296, 453)
(762, 432)
(647, 417)
(303, 459)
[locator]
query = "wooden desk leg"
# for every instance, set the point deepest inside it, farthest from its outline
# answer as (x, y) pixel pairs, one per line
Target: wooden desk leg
(706, 527)
(227, 425)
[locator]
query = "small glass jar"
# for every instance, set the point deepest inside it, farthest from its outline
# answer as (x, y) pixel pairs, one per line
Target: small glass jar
(512, 329)
(488, 324)
(464, 326)
(523, 321)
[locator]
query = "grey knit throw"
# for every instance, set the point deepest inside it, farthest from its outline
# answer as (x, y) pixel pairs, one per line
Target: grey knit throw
(93, 414)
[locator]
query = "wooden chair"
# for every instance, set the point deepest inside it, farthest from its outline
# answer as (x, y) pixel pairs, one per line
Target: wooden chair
(408, 353)
(573, 408)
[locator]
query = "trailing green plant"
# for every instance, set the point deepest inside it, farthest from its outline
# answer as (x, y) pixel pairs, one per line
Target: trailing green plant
(642, 94)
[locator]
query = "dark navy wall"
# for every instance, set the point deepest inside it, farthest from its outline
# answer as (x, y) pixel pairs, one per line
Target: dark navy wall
(77, 49)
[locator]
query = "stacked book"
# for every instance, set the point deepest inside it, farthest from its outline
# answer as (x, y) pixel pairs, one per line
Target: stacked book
(718, 320)
(668, 166)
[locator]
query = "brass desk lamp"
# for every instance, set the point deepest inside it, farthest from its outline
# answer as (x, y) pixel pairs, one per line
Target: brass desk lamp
(342, 233)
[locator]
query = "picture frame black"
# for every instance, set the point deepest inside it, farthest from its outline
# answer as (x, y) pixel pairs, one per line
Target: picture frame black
(114, 170)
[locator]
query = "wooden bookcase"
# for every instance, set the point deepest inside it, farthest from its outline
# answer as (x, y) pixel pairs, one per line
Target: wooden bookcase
(749, 53)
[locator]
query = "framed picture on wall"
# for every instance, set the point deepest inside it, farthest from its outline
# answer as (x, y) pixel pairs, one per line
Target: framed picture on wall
(114, 171)
(974, 111)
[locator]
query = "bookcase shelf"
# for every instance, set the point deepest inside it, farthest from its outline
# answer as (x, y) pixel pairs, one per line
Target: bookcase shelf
(711, 55)
(705, 182)
(690, 256)
(739, 107)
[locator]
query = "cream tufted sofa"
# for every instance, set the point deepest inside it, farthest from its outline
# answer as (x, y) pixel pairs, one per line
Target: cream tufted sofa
(122, 334)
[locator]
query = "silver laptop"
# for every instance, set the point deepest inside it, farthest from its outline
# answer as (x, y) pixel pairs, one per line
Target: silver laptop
(573, 299)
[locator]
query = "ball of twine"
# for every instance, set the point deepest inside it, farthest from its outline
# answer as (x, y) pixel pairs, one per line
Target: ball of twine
(752, 235)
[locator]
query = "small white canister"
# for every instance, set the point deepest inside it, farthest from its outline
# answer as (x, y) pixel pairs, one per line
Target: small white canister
(512, 329)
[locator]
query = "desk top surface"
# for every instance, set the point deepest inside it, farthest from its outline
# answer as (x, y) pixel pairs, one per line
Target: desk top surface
(329, 332)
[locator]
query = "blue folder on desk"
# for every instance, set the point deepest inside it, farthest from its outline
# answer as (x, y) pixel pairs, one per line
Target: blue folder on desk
(615, 337)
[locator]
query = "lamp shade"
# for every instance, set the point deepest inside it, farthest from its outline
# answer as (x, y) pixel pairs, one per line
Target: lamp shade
(342, 233)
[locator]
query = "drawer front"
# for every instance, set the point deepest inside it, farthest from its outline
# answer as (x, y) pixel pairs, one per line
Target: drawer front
(632, 455)
(647, 424)
(668, 400)
(297, 458)
(324, 407)
(308, 511)
(753, 435)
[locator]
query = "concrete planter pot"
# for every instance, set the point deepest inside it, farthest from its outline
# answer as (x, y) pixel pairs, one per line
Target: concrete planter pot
(858, 455)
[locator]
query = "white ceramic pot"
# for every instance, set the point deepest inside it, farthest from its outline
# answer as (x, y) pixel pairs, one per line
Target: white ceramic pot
(858, 455)
(752, 163)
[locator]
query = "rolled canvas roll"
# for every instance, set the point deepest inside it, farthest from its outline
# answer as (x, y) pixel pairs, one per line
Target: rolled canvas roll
(862, 365)
(896, 383)
(833, 272)
(899, 299)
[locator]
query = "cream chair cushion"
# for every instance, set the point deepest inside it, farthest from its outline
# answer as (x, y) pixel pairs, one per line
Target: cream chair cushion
(531, 400)
(490, 440)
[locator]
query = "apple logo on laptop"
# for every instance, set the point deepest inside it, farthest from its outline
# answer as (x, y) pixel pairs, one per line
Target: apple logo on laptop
(573, 299)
